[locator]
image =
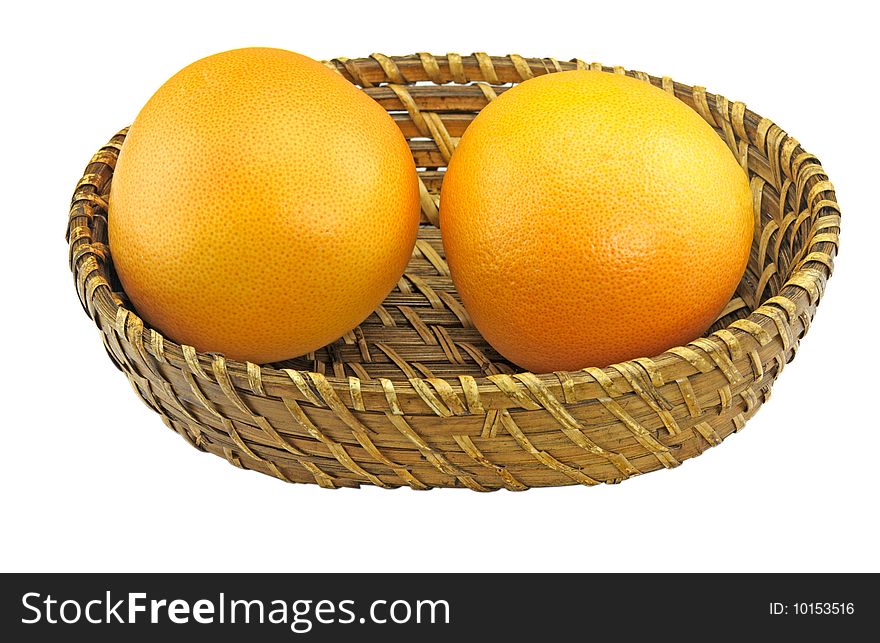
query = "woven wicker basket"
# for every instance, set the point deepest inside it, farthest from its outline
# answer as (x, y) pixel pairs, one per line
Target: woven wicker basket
(414, 396)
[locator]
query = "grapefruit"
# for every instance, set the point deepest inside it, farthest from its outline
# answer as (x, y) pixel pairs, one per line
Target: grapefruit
(589, 218)
(262, 206)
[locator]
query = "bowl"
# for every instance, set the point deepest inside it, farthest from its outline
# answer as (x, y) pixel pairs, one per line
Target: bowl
(414, 396)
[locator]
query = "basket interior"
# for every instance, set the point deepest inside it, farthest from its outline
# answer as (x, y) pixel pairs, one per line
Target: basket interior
(421, 329)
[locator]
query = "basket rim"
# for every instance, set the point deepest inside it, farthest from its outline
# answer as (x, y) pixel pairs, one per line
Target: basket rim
(772, 316)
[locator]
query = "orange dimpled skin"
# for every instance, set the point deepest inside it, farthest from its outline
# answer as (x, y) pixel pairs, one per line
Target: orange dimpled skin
(589, 218)
(262, 206)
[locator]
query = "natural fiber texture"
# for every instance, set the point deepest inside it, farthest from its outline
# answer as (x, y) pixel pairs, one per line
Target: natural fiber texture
(414, 396)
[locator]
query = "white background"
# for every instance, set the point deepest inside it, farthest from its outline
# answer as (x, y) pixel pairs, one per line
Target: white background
(93, 481)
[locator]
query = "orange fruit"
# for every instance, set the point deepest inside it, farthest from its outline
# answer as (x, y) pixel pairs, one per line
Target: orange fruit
(262, 206)
(589, 218)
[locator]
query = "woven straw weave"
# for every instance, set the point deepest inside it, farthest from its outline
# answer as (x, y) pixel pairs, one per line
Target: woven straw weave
(414, 396)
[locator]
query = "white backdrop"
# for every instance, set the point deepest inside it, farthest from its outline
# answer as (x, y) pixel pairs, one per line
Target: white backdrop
(93, 481)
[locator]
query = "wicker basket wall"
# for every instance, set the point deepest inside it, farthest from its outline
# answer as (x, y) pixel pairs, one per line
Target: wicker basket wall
(414, 396)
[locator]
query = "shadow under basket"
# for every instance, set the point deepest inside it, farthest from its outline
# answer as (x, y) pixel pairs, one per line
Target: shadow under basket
(415, 396)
